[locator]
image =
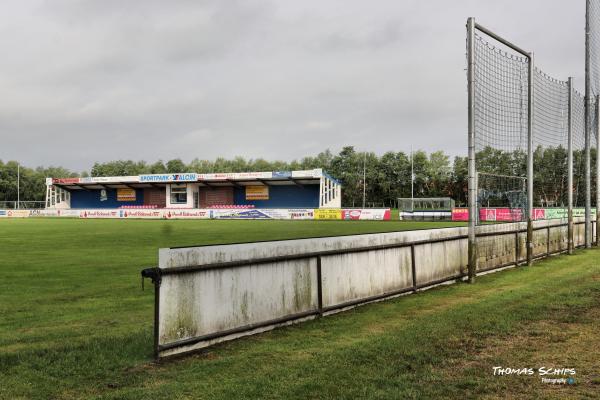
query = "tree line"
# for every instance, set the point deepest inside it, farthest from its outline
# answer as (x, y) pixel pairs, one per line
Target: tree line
(388, 176)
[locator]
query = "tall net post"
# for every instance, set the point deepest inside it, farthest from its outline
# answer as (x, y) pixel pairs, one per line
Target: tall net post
(592, 90)
(597, 169)
(530, 104)
(472, 186)
(593, 70)
(570, 168)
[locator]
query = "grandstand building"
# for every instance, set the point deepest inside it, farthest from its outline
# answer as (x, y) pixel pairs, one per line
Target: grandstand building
(280, 189)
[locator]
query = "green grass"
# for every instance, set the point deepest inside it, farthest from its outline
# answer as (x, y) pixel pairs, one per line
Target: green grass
(75, 323)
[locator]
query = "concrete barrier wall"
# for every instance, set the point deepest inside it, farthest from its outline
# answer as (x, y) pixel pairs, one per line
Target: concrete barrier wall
(209, 294)
(199, 304)
(346, 278)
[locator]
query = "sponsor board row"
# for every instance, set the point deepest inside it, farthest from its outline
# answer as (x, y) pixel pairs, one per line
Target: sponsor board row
(504, 214)
(189, 177)
(14, 213)
(267, 213)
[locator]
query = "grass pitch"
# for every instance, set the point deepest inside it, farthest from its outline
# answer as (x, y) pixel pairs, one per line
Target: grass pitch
(75, 324)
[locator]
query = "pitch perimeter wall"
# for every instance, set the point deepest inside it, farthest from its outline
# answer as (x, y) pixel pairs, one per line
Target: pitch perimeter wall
(209, 294)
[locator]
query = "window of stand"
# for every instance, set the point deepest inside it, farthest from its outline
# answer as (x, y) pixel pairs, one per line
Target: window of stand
(178, 194)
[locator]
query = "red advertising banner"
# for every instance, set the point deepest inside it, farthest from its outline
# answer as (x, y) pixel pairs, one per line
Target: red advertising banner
(501, 214)
(460, 214)
(65, 180)
(539, 213)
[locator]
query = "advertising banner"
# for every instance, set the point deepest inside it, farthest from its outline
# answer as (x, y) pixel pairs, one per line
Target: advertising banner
(126, 194)
(309, 173)
(302, 214)
(266, 213)
(43, 213)
(257, 193)
(169, 177)
(68, 213)
(141, 213)
(539, 213)
(65, 180)
(99, 213)
(240, 214)
(563, 213)
(53, 213)
(460, 214)
(282, 174)
(109, 179)
(18, 213)
(382, 214)
(187, 214)
(235, 175)
(509, 215)
(328, 213)
(501, 214)
(277, 213)
(516, 214)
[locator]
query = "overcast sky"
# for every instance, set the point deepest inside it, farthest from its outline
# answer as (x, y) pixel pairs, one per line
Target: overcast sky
(97, 80)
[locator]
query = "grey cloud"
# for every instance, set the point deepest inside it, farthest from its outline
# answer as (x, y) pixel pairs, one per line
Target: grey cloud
(85, 81)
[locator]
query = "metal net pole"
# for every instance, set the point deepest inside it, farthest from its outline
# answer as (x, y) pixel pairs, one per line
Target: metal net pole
(597, 126)
(472, 185)
(592, 69)
(570, 168)
(530, 103)
(592, 89)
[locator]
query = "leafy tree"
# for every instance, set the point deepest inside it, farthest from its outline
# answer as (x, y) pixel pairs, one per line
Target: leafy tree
(388, 176)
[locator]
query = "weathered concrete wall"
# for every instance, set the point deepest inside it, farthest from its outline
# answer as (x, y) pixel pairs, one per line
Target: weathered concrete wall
(437, 261)
(202, 255)
(198, 304)
(353, 276)
(212, 304)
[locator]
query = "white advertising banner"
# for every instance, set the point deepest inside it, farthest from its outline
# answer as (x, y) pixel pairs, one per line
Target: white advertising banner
(189, 177)
(141, 213)
(109, 179)
(18, 213)
(371, 214)
(43, 213)
(68, 213)
(187, 214)
(309, 173)
(242, 214)
(108, 213)
(235, 175)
